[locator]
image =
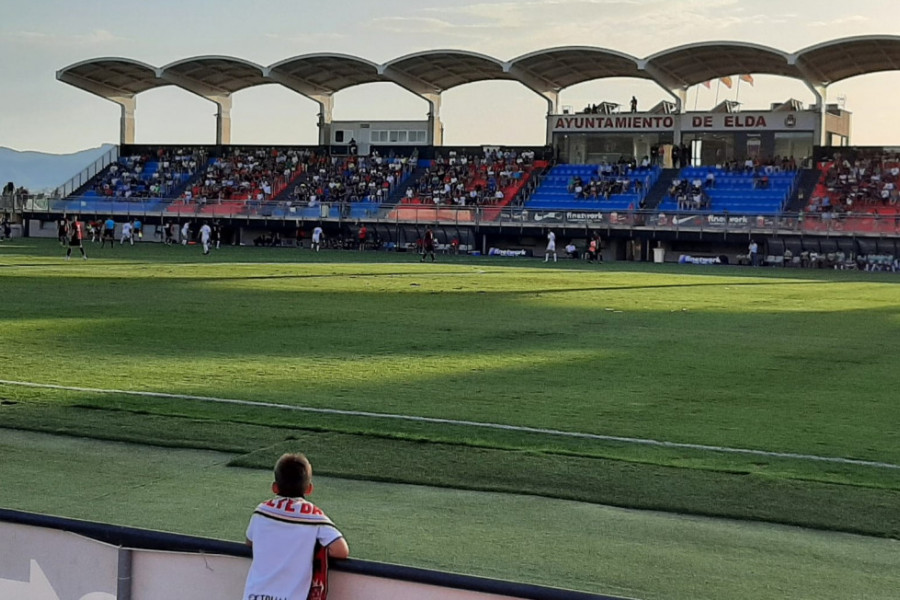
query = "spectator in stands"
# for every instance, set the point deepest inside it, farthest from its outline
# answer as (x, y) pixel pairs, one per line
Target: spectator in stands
(697, 202)
(284, 533)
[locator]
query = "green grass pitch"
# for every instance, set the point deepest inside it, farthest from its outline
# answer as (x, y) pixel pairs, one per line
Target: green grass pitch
(775, 389)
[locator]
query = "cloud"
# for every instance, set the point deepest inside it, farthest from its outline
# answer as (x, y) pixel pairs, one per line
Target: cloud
(507, 28)
(420, 25)
(840, 21)
(314, 38)
(97, 37)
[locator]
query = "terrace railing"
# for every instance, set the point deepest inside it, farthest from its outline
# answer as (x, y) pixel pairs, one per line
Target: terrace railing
(69, 187)
(492, 216)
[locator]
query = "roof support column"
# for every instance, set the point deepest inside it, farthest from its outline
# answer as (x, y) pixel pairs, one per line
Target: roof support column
(820, 91)
(126, 120)
(674, 87)
(427, 92)
(435, 125)
(680, 95)
(321, 96)
(223, 119)
(220, 97)
(326, 116)
(539, 86)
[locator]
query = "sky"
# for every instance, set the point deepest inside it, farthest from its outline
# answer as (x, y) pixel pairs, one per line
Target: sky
(40, 37)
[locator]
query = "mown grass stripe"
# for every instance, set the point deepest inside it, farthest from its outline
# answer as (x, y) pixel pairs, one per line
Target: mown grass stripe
(499, 426)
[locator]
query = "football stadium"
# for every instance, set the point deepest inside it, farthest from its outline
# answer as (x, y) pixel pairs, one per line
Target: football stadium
(652, 358)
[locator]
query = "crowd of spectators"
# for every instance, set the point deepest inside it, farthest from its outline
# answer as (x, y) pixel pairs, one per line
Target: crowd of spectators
(245, 174)
(469, 179)
(858, 185)
(343, 180)
(690, 194)
(130, 177)
(621, 177)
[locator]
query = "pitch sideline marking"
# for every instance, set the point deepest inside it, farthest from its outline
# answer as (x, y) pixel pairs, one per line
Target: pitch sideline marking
(500, 426)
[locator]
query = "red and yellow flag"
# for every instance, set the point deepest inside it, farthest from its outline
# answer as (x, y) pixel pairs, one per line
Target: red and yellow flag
(726, 80)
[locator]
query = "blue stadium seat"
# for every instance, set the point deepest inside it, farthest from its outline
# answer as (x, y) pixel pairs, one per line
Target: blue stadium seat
(553, 193)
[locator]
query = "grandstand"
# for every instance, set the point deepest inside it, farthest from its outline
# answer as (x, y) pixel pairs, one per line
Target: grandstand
(630, 177)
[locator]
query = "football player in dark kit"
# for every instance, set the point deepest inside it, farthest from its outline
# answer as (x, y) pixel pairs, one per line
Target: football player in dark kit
(428, 244)
(76, 235)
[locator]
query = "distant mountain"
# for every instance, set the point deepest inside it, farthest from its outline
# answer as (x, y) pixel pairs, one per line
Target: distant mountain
(42, 172)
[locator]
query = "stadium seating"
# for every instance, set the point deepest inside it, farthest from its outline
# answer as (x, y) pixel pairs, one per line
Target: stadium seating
(493, 178)
(738, 192)
(276, 182)
(556, 193)
(863, 196)
(453, 188)
(159, 175)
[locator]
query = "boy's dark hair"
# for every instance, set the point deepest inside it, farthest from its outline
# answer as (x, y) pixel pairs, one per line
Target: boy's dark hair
(293, 474)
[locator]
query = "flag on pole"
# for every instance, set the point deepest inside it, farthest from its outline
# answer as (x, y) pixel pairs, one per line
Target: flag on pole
(707, 84)
(726, 80)
(747, 78)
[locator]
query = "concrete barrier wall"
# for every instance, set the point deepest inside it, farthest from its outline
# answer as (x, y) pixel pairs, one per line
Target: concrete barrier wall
(48, 558)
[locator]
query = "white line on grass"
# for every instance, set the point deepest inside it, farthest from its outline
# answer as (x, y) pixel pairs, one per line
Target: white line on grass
(500, 426)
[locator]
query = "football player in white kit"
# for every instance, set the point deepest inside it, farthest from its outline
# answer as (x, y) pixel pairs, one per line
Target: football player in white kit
(205, 233)
(551, 247)
(316, 238)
